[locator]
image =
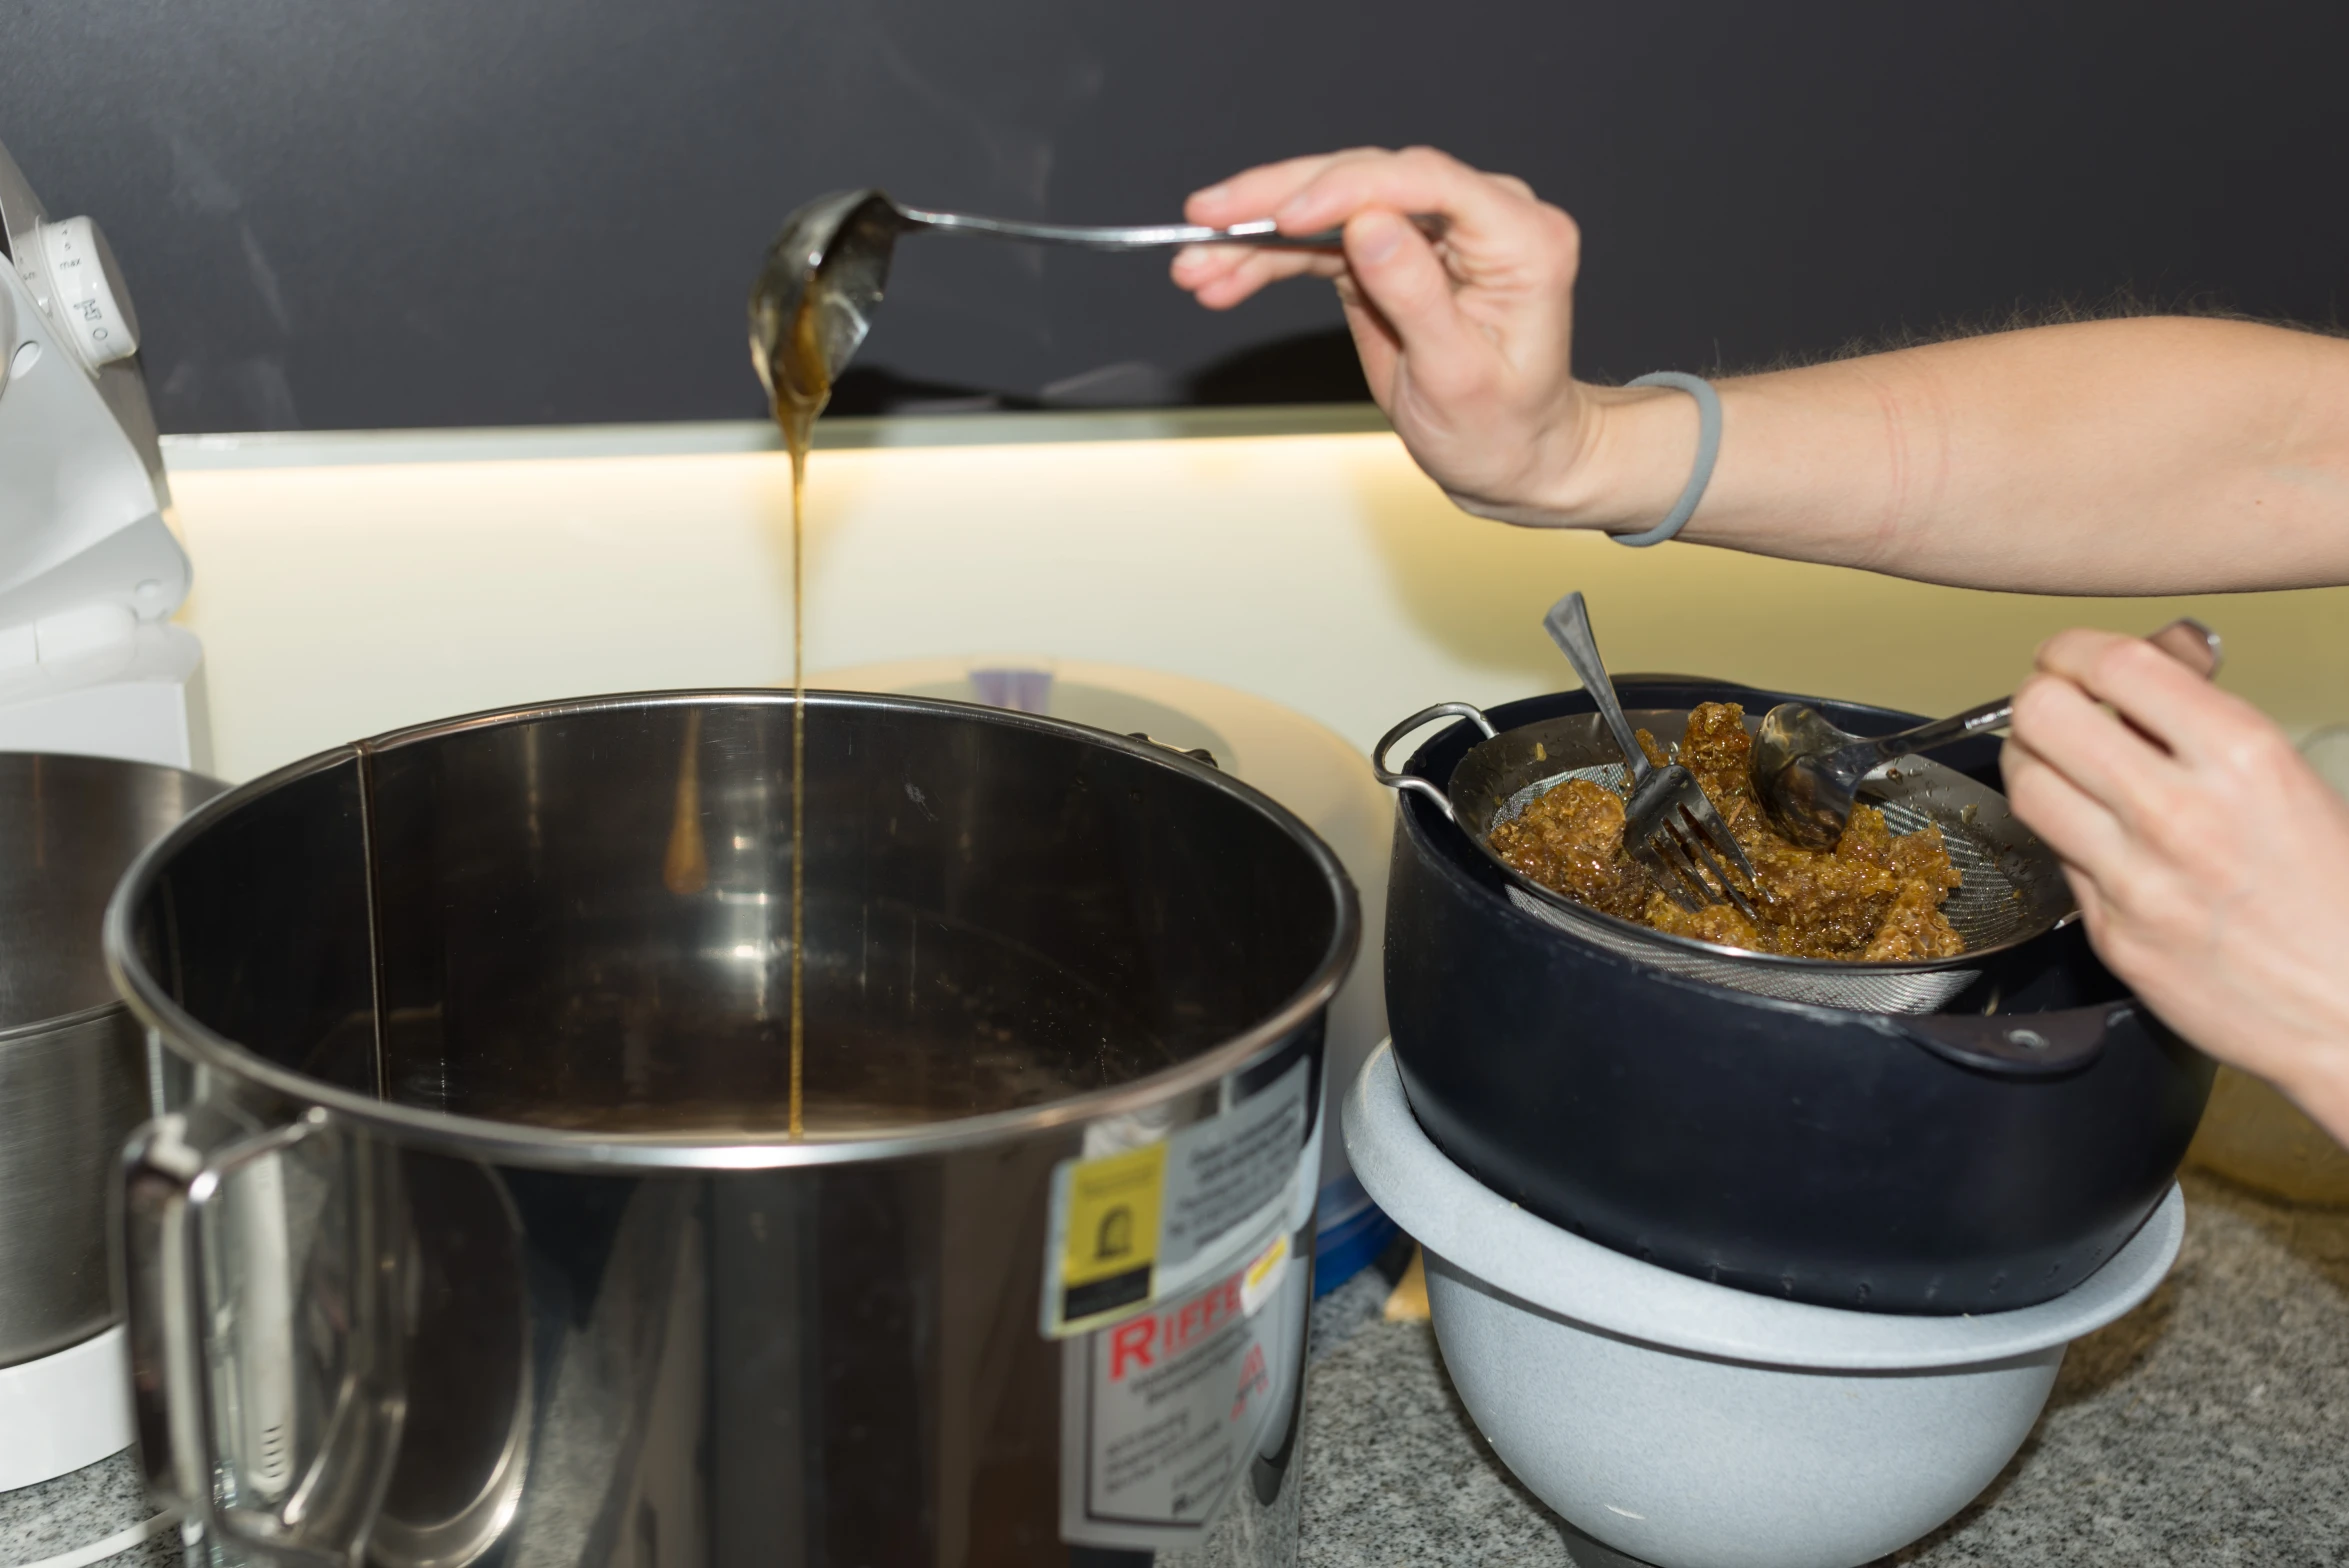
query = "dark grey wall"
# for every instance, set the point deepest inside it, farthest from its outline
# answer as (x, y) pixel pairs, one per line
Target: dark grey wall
(352, 213)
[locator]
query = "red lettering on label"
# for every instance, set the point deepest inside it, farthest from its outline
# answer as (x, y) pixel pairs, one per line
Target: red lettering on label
(1143, 1341)
(1197, 1318)
(1253, 1379)
(1130, 1341)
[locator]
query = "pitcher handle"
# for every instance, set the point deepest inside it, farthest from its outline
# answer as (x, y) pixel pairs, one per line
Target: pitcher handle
(1386, 743)
(173, 1181)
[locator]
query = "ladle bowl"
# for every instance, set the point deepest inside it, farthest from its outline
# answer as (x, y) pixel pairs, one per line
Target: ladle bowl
(813, 303)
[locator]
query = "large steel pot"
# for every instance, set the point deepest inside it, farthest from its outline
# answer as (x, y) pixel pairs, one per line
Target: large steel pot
(1982, 1158)
(72, 1075)
(470, 1231)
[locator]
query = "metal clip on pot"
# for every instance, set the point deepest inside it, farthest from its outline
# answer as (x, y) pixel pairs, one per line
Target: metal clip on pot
(1387, 742)
(2014, 1045)
(211, 1304)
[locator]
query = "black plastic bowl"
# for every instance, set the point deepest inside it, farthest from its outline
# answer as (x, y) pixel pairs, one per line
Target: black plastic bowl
(1952, 1162)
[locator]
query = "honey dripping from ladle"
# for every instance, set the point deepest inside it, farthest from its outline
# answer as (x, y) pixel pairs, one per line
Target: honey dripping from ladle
(806, 319)
(809, 311)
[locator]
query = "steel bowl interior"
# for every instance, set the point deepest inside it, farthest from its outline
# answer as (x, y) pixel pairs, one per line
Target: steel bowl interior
(567, 932)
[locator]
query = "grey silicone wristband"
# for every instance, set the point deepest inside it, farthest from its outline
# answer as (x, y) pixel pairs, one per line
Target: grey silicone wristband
(1708, 449)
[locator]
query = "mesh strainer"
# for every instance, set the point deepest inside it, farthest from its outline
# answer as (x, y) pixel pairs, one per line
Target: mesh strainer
(2013, 889)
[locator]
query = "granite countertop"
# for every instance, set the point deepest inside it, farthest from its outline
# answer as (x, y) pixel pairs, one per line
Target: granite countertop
(2208, 1427)
(95, 1515)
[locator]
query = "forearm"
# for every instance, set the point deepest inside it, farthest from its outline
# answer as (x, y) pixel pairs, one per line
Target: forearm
(2149, 455)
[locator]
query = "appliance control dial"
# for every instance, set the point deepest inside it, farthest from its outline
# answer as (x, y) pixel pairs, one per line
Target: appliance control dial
(87, 298)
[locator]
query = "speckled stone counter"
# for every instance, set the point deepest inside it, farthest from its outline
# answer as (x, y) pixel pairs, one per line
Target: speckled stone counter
(2209, 1427)
(95, 1515)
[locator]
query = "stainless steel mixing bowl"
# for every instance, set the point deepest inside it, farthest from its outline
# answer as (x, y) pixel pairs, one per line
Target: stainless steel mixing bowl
(471, 1230)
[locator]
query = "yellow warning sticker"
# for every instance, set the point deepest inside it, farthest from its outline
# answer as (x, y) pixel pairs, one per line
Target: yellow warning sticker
(1263, 1276)
(1168, 1217)
(1109, 1245)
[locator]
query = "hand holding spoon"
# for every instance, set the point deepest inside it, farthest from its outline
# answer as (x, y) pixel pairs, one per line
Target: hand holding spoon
(828, 267)
(1806, 771)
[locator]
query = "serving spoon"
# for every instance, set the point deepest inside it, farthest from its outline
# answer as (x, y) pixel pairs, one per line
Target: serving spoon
(831, 261)
(1807, 772)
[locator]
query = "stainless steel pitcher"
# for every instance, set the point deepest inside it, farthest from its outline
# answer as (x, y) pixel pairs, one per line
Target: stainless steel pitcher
(467, 1230)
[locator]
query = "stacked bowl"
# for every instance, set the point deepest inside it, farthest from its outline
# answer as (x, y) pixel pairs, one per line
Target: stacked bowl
(1735, 1280)
(1690, 1425)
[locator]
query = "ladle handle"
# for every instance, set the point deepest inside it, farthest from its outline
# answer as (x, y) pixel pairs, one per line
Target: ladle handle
(1408, 781)
(2192, 644)
(2186, 640)
(1568, 624)
(1263, 233)
(1991, 715)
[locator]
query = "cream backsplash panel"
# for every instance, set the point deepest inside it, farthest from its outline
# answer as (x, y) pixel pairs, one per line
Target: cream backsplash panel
(340, 599)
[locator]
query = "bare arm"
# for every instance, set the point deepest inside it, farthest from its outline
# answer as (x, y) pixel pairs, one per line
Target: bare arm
(2149, 455)
(2140, 456)
(2154, 455)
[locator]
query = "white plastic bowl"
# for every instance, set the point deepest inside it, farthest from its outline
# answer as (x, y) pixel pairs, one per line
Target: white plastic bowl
(1690, 1425)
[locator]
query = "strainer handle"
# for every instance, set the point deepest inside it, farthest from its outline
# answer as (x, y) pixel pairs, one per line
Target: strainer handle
(2187, 640)
(1993, 715)
(1387, 742)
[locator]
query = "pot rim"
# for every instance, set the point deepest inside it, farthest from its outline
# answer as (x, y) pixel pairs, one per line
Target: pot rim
(59, 1023)
(1561, 1275)
(519, 1143)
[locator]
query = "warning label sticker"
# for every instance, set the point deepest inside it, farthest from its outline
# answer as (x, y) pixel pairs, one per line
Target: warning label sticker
(1110, 1236)
(1163, 1413)
(1141, 1225)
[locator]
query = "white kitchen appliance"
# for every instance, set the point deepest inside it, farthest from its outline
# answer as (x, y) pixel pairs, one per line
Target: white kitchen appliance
(90, 571)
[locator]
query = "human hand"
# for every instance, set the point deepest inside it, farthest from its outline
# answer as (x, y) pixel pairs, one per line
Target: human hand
(2210, 861)
(1465, 340)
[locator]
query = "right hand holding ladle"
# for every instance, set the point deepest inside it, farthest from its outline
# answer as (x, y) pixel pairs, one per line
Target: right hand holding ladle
(829, 266)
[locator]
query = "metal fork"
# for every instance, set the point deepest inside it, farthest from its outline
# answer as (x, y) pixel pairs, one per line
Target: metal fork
(1673, 830)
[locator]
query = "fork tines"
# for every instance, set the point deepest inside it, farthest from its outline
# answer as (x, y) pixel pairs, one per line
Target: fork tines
(1676, 832)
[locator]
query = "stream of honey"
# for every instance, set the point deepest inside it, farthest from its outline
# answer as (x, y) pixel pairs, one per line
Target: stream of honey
(800, 385)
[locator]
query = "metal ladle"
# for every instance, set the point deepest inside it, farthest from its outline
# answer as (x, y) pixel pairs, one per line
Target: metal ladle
(832, 260)
(1806, 772)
